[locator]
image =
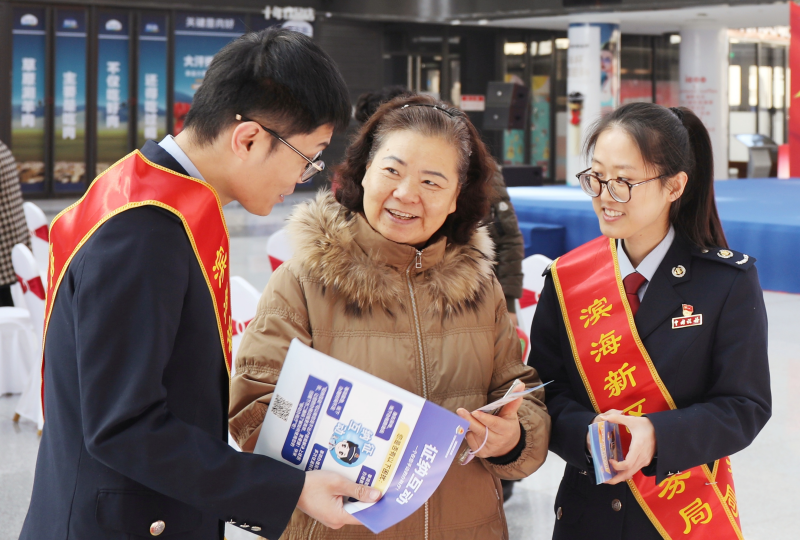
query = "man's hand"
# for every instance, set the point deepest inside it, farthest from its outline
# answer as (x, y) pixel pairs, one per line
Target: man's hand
(503, 430)
(322, 498)
(643, 445)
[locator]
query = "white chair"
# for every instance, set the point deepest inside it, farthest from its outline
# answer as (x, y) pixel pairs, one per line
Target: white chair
(38, 227)
(18, 349)
(26, 268)
(244, 302)
(279, 249)
(29, 278)
(532, 284)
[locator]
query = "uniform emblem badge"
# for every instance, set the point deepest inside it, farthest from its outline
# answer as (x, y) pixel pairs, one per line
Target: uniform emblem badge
(679, 271)
(688, 319)
(725, 253)
(745, 258)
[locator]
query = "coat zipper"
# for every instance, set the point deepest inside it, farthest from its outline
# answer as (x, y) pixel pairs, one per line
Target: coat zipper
(418, 264)
(311, 531)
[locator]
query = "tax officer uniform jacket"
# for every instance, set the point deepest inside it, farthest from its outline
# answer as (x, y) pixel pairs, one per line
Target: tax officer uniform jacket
(136, 397)
(717, 373)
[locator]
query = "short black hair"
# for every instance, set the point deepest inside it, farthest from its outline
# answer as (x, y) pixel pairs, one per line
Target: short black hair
(368, 102)
(277, 76)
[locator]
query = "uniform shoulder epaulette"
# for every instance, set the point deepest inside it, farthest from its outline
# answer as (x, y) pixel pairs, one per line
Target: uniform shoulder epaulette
(725, 256)
(547, 270)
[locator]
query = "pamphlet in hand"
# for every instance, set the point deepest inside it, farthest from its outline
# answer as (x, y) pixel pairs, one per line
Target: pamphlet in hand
(605, 444)
(328, 415)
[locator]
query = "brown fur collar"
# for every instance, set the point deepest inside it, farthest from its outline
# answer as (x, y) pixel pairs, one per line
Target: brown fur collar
(325, 247)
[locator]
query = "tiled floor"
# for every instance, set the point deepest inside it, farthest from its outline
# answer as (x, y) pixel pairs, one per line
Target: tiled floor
(766, 476)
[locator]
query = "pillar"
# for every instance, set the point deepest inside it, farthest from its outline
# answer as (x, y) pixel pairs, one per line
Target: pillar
(592, 84)
(704, 84)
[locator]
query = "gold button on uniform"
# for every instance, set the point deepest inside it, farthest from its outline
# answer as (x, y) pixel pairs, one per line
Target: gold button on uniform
(157, 527)
(616, 505)
(725, 254)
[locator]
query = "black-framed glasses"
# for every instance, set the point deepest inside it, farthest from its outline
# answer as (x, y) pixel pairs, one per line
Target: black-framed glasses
(619, 189)
(315, 165)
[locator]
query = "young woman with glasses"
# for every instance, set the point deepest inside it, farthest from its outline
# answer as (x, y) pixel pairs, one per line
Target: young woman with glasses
(656, 326)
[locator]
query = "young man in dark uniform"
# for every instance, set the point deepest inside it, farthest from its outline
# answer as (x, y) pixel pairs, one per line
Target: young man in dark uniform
(135, 375)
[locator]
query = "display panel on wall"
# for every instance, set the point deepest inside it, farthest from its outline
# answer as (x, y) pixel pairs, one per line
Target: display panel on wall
(28, 96)
(112, 88)
(198, 37)
(152, 109)
(69, 148)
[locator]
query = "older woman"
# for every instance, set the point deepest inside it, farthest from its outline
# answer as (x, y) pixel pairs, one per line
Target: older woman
(394, 276)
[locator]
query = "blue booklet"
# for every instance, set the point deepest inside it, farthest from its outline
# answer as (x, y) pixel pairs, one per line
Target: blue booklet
(605, 444)
(325, 414)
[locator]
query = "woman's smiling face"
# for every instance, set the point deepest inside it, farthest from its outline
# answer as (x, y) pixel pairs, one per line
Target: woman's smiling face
(410, 187)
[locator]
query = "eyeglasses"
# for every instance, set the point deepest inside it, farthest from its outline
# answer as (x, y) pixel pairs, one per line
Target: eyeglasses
(619, 189)
(314, 166)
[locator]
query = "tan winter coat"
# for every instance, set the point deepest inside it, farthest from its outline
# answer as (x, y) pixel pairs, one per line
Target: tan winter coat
(441, 331)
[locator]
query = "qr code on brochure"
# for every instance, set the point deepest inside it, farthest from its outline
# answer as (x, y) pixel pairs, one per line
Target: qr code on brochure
(280, 407)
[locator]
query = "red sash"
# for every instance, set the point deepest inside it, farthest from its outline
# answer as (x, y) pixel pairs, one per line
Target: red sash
(617, 372)
(133, 182)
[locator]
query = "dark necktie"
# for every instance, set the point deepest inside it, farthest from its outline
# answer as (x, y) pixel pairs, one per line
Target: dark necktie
(633, 282)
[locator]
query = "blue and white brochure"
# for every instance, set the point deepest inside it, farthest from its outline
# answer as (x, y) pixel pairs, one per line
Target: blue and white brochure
(605, 444)
(325, 414)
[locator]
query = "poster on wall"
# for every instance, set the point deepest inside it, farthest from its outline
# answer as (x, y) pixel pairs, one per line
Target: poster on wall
(540, 122)
(152, 110)
(112, 88)
(513, 146)
(27, 96)
(299, 19)
(69, 148)
(198, 37)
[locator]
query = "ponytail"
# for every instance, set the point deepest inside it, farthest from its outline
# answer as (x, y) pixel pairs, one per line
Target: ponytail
(694, 214)
(671, 141)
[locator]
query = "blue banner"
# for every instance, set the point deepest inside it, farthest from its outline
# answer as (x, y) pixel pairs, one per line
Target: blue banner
(198, 37)
(27, 96)
(152, 108)
(112, 88)
(69, 171)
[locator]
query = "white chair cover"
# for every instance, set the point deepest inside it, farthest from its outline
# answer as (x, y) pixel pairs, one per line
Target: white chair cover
(244, 302)
(29, 278)
(532, 284)
(279, 249)
(26, 268)
(18, 349)
(38, 227)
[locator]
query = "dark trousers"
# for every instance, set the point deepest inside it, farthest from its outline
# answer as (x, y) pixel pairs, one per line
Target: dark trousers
(5, 296)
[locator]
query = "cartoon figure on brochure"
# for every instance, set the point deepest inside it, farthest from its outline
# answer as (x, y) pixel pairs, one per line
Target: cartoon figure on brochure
(350, 444)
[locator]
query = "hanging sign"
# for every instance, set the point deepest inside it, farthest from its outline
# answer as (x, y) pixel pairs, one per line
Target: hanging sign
(112, 89)
(27, 96)
(69, 170)
(298, 19)
(152, 110)
(198, 37)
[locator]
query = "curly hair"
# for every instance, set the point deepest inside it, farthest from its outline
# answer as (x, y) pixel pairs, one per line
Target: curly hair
(428, 117)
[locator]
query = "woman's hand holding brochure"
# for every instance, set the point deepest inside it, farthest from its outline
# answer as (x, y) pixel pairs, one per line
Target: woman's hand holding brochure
(494, 428)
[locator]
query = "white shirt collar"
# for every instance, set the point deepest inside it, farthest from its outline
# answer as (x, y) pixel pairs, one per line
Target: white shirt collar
(650, 263)
(172, 148)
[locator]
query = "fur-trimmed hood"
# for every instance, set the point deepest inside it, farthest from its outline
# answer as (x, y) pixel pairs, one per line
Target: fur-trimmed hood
(341, 250)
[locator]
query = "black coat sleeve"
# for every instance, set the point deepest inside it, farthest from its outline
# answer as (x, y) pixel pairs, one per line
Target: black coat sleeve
(570, 417)
(737, 402)
(128, 304)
